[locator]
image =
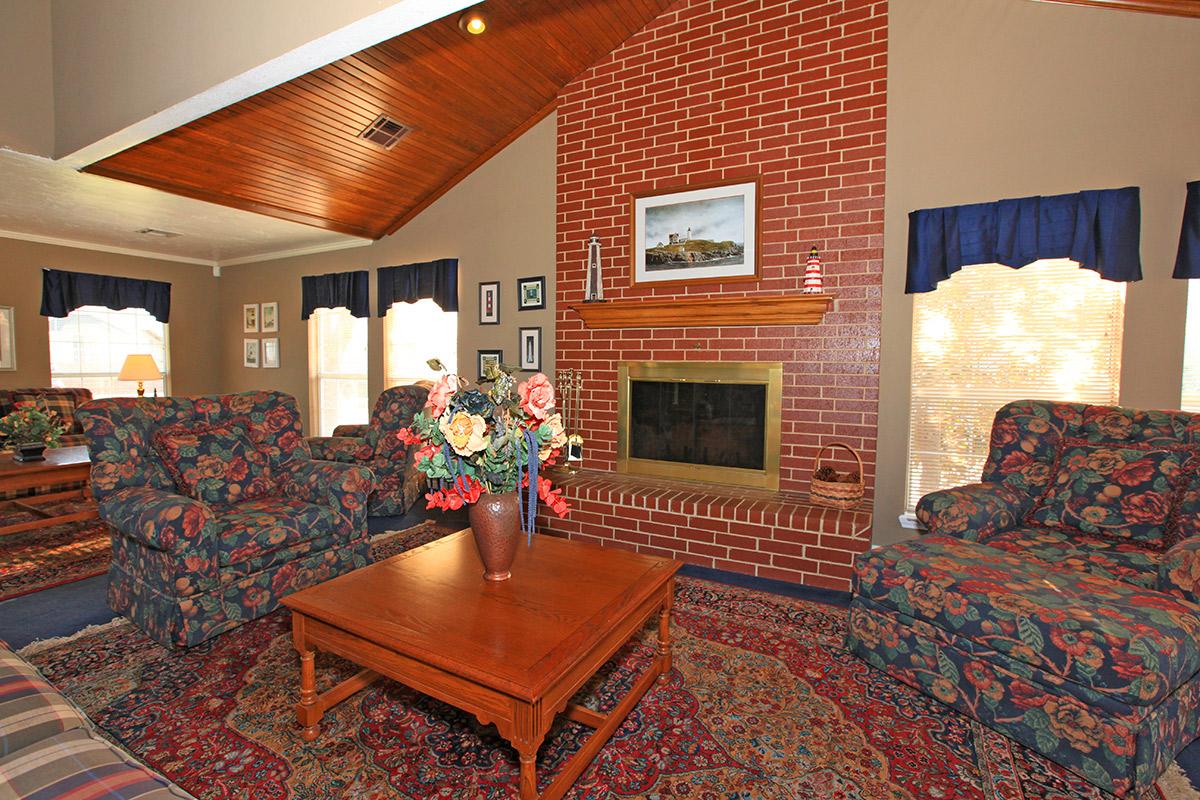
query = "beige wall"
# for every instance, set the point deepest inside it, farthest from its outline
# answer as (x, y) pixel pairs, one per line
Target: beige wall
(1005, 98)
(194, 310)
(26, 77)
(499, 223)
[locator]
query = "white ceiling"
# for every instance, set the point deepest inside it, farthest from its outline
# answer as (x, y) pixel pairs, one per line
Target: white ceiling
(48, 201)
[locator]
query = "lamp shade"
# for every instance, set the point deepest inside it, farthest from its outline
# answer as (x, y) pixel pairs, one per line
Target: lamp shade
(139, 367)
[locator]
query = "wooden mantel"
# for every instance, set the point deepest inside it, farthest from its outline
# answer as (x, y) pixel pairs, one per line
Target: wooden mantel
(790, 309)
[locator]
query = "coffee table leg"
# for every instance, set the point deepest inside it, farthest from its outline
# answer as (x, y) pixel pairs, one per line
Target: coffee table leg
(528, 783)
(308, 713)
(664, 633)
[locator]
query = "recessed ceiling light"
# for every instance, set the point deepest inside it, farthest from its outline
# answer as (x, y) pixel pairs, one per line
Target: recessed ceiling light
(473, 22)
(158, 233)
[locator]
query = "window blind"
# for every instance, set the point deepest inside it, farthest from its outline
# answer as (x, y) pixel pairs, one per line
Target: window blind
(337, 347)
(89, 345)
(990, 335)
(413, 333)
(1190, 400)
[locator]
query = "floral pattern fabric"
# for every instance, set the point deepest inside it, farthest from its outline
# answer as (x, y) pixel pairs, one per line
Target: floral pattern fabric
(398, 484)
(1120, 560)
(186, 570)
(975, 510)
(214, 463)
(1112, 491)
(1097, 674)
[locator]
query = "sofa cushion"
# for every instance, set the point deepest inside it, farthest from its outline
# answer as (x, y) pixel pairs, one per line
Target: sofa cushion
(1127, 643)
(76, 764)
(1113, 491)
(215, 463)
(61, 404)
(30, 709)
(1120, 560)
(248, 531)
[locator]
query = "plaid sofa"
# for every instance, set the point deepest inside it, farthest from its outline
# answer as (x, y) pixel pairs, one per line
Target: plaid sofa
(49, 749)
(398, 483)
(63, 400)
(1057, 601)
(186, 569)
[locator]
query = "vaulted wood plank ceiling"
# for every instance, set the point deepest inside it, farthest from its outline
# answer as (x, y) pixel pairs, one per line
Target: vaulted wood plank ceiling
(294, 151)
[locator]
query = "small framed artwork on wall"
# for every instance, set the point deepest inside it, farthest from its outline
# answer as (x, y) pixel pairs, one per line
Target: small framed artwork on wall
(529, 345)
(8, 339)
(250, 353)
(489, 303)
(531, 293)
(489, 360)
(270, 318)
(270, 351)
(250, 318)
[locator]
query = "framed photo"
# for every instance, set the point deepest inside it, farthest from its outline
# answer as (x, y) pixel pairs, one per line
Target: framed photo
(529, 345)
(270, 318)
(489, 303)
(487, 360)
(706, 234)
(270, 349)
(531, 293)
(8, 339)
(250, 353)
(250, 318)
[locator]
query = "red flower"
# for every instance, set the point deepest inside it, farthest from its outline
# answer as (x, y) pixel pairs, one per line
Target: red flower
(1014, 462)
(552, 497)
(429, 450)
(406, 436)
(1135, 474)
(1149, 507)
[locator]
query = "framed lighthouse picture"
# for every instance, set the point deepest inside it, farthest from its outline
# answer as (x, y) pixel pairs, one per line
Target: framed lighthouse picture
(701, 234)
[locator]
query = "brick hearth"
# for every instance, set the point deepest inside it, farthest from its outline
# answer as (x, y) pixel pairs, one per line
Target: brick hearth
(793, 92)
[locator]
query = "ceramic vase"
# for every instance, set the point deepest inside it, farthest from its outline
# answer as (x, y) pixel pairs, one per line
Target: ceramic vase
(496, 524)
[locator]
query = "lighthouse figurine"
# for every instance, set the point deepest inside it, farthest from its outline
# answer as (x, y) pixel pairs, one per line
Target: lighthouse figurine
(813, 283)
(594, 292)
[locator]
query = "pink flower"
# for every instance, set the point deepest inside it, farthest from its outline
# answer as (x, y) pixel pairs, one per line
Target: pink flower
(440, 394)
(537, 396)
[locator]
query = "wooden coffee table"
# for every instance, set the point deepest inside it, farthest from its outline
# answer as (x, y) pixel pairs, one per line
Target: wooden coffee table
(511, 653)
(61, 465)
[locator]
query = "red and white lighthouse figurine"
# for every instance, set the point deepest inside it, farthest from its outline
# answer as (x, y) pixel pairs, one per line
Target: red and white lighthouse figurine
(813, 283)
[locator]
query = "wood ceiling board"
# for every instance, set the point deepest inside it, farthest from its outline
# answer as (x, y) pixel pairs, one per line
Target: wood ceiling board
(293, 151)
(1177, 8)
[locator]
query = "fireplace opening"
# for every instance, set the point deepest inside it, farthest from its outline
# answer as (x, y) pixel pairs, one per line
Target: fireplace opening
(717, 422)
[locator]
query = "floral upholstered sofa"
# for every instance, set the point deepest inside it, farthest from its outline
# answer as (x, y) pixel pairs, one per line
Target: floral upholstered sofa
(1056, 601)
(398, 484)
(217, 509)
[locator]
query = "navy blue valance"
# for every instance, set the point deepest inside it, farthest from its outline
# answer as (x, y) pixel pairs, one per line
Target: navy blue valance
(1187, 260)
(336, 290)
(437, 280)
(63, 292)
(1100, 230)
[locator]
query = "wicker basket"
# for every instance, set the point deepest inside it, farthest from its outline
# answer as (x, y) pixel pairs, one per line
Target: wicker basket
(837, 494)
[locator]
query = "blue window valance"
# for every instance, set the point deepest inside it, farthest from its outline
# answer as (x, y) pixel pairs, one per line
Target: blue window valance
(1187, 260)
(336, 290)
(437, 280)
(63, 292)
(1100, 230)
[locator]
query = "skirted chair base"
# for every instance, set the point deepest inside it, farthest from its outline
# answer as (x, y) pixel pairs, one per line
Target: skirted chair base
(1098, 675)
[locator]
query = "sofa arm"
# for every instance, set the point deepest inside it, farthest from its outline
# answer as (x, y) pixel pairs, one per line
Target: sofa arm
(161, 520)
(1179, 571)
(973, 511)
(346, 449)
(342, 487)
(350, 431)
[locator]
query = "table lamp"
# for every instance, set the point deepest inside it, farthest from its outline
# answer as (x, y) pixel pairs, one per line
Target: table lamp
(139, 367)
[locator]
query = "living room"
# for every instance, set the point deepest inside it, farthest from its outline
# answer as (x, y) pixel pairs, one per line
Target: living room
(804, 623)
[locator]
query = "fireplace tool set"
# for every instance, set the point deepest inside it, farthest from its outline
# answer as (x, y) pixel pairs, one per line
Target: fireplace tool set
(569, 385)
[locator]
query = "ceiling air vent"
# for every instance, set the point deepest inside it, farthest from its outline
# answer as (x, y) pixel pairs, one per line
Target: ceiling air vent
(384, 132)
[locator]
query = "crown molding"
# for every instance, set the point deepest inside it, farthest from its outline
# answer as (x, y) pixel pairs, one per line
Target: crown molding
(299, 251)
(104, 248)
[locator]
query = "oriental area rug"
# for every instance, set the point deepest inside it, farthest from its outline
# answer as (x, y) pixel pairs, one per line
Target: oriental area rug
(763, 702)
(51, 556)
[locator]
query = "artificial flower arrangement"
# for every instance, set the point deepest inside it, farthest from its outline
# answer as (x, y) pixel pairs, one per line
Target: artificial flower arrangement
(31, 424)
(470, 441)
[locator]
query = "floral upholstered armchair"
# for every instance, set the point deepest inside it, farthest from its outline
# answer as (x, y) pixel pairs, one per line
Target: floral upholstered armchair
(217, 509)
(398, 484)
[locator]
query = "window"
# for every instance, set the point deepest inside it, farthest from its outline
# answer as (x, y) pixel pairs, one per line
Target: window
(88, 347)
(990, 335)
(413, 333)
(1190, 401)
(337, 357)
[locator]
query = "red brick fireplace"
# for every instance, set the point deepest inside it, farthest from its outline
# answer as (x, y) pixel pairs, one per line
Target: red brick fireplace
(790, 92)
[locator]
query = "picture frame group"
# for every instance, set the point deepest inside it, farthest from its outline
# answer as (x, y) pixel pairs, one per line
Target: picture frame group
(262, 317)
(8, 339)
(531, 296)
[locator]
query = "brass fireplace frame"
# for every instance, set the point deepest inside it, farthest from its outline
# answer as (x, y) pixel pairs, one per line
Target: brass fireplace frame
(765, 373)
